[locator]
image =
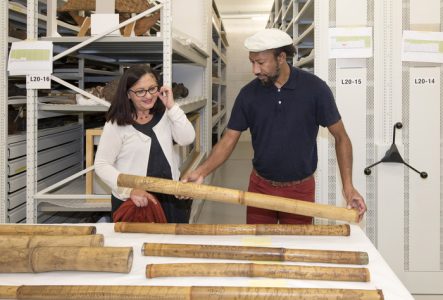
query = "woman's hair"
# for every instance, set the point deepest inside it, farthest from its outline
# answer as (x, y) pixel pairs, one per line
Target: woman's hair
(122, 109)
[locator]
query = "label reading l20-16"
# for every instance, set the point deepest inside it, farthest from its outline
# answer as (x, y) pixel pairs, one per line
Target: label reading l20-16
(36, 81)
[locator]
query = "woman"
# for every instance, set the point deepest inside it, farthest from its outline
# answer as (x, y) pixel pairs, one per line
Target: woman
(141, 125)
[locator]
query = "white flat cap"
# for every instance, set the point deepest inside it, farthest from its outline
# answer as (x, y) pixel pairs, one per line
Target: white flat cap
(270, 38)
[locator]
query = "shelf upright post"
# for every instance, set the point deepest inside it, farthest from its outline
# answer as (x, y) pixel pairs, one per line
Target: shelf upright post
(31, 123)
(219, 86)
(81, 85)
(51, 26)
(321, 69)
(166, 32)
(3, 111)
(206, 121)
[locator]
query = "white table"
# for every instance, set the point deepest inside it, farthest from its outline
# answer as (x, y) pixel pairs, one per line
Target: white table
(382, 277)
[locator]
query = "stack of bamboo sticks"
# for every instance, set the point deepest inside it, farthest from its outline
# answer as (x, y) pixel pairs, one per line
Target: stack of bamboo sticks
(40, 248)
(39, 264)
(36, 260)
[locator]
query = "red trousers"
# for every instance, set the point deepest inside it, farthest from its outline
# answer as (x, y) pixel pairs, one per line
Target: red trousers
(304, 190)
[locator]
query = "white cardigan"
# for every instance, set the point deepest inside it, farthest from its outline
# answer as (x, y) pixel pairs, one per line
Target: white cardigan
(124, 149)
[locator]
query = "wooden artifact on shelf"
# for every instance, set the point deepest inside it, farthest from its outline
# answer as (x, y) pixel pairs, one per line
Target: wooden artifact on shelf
(213, 193)
(85, 27)
(46, 229)
(45, 259)
(257, 270)
(233, 229)
(141, 26)
(100, 292)
(123, 7)
(135, 6)
(256, 253)
(32, 241)
(89, 161)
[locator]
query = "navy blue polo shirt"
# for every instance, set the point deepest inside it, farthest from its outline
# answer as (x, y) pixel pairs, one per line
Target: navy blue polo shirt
(284, 123)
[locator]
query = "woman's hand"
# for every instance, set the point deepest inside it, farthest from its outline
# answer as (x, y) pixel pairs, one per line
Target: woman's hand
(166, 96)
(140, 197)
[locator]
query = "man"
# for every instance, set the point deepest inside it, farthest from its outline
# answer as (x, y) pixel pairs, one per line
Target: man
(283, 109)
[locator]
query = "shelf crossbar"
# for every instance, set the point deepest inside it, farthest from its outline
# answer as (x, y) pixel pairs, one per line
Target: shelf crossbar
(63, 182)
(80, 91)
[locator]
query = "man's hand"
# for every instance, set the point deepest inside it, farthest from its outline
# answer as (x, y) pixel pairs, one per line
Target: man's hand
(355, 201)
(140, 197)
(193, 176)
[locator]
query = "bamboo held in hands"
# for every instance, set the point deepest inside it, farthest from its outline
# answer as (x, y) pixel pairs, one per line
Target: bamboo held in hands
(257, 270)
(106, 292)
(233, 229)
(213, 193)
(46, 229)
(32, 241)
(45, 259)
(255, 253)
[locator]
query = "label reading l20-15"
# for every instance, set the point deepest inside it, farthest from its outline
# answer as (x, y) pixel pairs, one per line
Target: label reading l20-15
(351, 81)
(36, 81)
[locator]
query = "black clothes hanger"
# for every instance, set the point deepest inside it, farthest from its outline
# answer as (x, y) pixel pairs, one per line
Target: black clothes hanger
(393, 156)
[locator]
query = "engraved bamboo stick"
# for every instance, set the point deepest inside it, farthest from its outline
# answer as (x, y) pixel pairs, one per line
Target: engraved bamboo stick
(46, 229)
(257, 270)
(45, 259)
(233, 229)
(32, 241)
(8, 292)
(255, 253)
(109, 292)
(213, 193)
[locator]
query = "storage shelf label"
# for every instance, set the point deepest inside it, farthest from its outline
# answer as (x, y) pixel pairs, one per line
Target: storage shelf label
(30, 57)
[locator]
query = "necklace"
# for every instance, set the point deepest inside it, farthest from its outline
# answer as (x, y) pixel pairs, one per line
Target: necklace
(143, 117)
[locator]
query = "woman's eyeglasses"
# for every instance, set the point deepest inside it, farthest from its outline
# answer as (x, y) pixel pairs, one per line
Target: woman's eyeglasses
(142, 93)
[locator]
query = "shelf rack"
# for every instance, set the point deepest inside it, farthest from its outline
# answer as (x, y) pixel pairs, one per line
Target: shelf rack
(219, 63)
(167, 48)
(296, 17)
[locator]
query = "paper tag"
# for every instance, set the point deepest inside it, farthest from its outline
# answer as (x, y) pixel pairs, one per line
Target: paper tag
(30, 57)
(38, 81)
(350, 42)
(422, 46)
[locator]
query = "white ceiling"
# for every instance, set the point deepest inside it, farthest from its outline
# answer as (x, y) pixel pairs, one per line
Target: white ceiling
(244, 6)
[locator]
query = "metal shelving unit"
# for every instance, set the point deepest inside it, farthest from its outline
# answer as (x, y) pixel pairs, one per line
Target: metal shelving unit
(167, 48)
(296, 17)
(219, 62)
(18, 12)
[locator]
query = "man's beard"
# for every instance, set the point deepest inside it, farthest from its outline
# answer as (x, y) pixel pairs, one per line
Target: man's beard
(270, 80)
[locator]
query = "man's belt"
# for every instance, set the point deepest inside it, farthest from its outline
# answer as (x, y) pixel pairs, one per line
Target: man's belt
(282, 183)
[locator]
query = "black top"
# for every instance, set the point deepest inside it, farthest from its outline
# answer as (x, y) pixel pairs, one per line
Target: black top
(158, 165)
(284, 123)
